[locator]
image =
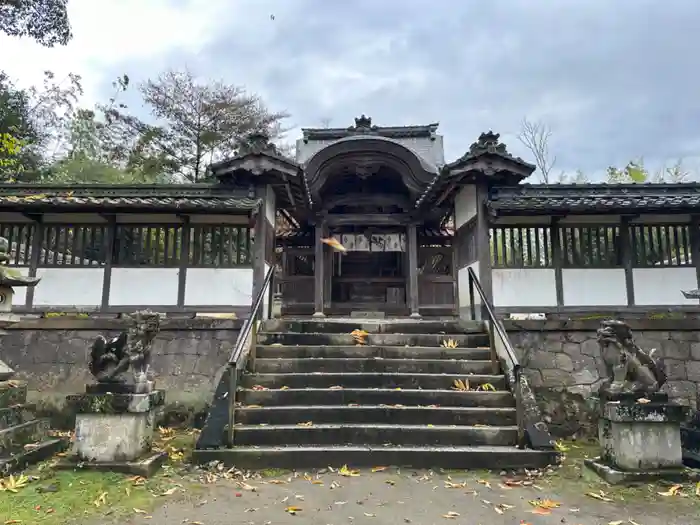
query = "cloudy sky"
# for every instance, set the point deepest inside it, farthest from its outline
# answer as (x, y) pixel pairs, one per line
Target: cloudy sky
(615, 80)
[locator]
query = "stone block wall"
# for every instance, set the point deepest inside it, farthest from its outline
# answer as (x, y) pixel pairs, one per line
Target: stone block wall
(52, 355)
(562, 361)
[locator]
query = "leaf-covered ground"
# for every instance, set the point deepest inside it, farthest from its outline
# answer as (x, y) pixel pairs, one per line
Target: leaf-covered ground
(183, 494)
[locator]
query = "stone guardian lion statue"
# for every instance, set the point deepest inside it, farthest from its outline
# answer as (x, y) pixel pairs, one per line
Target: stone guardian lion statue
(630, 369)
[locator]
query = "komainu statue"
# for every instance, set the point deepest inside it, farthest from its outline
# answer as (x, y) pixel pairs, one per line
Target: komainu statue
(630, 369)
(111, 360)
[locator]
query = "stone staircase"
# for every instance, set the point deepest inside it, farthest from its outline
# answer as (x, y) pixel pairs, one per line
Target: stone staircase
(24, 439)
(316, 398)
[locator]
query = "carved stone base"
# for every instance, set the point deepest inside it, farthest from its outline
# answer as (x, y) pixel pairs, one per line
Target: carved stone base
(120, 388)
(640, 438)
(114, 429)
(144, 467)
(616, 476)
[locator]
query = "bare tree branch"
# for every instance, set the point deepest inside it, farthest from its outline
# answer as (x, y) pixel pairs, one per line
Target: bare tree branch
(535, 137)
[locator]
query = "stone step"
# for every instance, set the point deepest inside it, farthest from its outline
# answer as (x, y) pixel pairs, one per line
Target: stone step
(374, 434)
(297, 457)
(346, 326)
(322, 339)
(15, 415)
(405, 415)
(32, 455)
(14, 439)
(325, 396)
(12, 393)
(387, 352)
(426, 366)
(368, 380)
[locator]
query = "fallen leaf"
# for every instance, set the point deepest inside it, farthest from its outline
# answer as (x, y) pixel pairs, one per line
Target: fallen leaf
(13, 484)
(545, 504)
(12, 522)
(292, 510)
(100, 500)
(345, 471)
(196, 523)
(540, 511)
(370, 515)
(140, 511)
(169, 492)
(697, 489)
(451, 515)
(484, 483)
(306, 424)
(673, 491)
(601, 496)
(560, 446)
(277, 482)
(379, 469)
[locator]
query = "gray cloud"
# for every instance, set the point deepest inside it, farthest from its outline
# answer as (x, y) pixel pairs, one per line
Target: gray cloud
(615, 80)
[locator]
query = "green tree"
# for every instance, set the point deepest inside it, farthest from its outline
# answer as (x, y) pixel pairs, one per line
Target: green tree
(46, 21)
(194, 123)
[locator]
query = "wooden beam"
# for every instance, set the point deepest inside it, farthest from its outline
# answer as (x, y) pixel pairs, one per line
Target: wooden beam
(347, 219)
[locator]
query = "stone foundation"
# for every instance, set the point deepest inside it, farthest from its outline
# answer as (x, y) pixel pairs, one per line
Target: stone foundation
(562, 361)
(52, 354)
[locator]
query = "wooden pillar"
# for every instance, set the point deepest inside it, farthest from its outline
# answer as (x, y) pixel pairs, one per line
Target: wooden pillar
(185, 231)
(110, 241)
(695, 246)
(557, 260)
(483, 245)
(412, 248)
(627, 256)
(319, 281)
(35, 255)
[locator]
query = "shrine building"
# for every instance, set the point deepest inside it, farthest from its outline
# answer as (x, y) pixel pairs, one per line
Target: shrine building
(412, 223)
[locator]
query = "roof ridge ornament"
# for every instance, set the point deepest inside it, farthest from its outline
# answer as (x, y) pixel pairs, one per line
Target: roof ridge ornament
(363, 126)
(488, 142)
(256, 142)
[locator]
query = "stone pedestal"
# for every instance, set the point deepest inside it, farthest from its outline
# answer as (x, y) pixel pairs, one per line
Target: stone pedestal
(24, 439)
(114, 431)
(640, 442)
(690, 439)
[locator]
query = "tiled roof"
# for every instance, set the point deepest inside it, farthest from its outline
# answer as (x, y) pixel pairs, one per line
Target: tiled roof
(594, 198)
(191, 197)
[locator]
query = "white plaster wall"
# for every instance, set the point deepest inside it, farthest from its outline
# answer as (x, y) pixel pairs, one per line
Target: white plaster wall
(270, 206)
(463, 285)
(594, 287)
(525, 287)
(20, 296)
(69, 287)
(662, 286)
(146, 286)
(465, 205)
(219, 287)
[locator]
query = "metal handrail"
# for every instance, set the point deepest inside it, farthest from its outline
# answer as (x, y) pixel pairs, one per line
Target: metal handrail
(237, 351)
(236, 362)
(497, 324)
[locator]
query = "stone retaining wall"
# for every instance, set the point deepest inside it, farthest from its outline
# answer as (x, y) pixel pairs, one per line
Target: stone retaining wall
(52, 355)
(562, 361)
